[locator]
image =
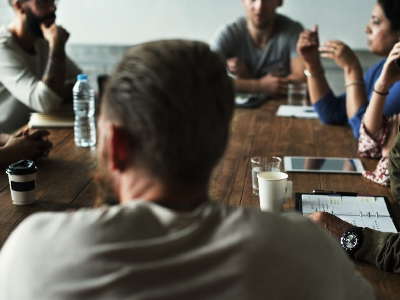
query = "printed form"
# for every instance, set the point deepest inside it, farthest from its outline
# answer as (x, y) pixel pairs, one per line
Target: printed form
(361, 211)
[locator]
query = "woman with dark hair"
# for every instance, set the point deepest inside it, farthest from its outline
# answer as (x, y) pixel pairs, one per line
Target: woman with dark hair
(372, 95)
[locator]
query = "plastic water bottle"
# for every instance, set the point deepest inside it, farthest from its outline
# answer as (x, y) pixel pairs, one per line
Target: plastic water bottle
(84, 108)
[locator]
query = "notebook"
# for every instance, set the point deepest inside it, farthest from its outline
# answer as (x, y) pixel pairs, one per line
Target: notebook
(54, 120)
(359, 210)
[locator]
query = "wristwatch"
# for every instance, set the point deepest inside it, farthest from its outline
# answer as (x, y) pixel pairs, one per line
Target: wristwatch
(351, 240)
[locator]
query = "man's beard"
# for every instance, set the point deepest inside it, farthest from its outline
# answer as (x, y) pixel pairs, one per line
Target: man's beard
(33, 22)
(263, 25)
(105, 194)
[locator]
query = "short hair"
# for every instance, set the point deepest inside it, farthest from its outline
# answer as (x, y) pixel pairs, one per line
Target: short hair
(175, 100)
(391, 9)
(11, 1)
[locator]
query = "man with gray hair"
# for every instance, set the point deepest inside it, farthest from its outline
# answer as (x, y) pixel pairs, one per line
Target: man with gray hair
(164, 124)
(33, 65)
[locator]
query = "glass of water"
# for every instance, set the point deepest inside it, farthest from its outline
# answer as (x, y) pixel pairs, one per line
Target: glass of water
(263, 164)
(297, 93)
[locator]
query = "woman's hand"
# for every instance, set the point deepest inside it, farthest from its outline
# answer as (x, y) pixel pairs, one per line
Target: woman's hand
(390, 72)
(307, 47)
(341, 54)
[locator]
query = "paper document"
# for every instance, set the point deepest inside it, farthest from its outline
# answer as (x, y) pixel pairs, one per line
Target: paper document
(352, 209)
(302, 112)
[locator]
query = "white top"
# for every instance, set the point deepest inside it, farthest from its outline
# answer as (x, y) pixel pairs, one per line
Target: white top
(144, 251)
(21, 88)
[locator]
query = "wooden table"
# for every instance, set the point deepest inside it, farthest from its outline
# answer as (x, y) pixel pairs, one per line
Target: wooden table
(66, 180)
(260, 133)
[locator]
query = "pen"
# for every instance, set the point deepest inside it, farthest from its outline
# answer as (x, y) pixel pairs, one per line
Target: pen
(323, 192)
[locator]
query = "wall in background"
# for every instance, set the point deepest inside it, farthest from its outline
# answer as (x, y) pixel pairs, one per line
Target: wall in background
(127, 22)
(101, 30)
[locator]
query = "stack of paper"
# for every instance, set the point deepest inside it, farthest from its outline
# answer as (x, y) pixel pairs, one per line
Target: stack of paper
(56, 120)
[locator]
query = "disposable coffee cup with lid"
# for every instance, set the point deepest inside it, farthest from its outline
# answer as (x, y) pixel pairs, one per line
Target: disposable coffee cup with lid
(22, 178)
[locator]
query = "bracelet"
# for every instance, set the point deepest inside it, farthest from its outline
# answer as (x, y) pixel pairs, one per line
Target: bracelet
(354, 83)
(381, 93)
(319, 74)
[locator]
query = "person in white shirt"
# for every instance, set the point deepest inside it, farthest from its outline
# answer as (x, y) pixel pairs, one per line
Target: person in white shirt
(34, 69)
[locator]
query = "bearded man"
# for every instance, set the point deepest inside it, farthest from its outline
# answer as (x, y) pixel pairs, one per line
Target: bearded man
(260, 49)
(34, 69)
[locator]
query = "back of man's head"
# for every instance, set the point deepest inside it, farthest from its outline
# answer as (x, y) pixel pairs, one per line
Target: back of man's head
(175, 101)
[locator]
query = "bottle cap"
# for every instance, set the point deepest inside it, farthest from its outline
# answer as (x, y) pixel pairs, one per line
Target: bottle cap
(82, 77)
(23, 167)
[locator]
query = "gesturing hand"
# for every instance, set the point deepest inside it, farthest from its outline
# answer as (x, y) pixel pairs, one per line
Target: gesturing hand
(340, 53)
(307, 46)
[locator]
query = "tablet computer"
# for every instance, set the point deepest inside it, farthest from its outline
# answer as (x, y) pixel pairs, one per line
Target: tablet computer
(323, 164)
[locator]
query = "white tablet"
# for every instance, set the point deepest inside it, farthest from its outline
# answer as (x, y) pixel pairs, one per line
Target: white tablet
(323, 164)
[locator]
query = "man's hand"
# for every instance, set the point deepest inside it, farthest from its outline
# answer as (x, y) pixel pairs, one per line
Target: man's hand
(335, 225)
(56, 35)
(273, 85)
(27, 145)
(237, 68)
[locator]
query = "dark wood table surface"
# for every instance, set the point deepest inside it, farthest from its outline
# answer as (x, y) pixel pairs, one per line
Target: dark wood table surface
(66, 180)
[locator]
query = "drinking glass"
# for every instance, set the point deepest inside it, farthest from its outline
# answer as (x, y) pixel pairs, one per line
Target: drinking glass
(263, 164)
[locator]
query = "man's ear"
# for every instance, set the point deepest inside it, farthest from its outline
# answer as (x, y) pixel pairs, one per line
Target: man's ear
(18, 6)
(119, 149)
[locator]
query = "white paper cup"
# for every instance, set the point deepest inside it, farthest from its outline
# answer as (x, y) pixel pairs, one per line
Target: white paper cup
(274, 190)
(22, 179)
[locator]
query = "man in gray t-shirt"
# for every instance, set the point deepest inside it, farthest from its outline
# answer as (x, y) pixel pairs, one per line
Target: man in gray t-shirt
(260, 49)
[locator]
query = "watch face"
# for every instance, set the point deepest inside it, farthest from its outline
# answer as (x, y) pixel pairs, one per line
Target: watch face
(350, 241)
